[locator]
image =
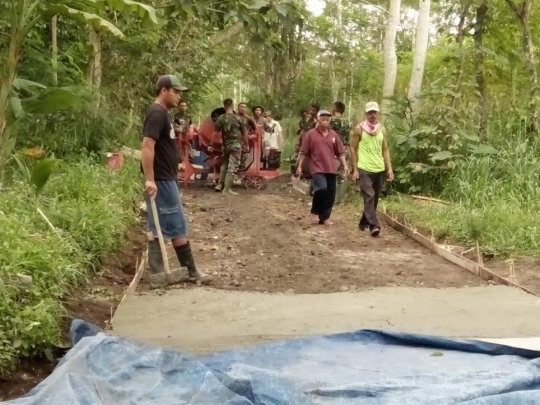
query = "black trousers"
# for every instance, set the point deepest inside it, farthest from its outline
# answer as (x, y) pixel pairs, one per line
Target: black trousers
(324, 195)
(371, 186)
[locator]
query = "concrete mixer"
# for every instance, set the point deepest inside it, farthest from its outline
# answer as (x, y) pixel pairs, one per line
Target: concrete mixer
(256, 169)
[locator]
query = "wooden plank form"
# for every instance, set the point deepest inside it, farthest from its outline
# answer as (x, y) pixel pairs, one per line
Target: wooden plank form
(476, 268)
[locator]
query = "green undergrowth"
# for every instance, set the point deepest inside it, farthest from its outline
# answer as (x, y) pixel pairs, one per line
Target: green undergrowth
(91, 207)
(495, 200)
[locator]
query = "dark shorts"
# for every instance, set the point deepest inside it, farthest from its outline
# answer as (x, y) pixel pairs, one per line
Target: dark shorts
(170, 213)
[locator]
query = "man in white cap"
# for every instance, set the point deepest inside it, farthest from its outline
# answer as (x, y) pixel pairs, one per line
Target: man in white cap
(322, 145)
(371, 162)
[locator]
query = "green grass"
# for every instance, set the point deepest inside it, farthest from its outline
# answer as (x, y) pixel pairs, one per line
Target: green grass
(495, 200)
(92, 207)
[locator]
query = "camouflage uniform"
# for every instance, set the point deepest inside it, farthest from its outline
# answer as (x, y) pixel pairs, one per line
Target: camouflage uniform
(184, 121)
(250, 125)
(343, 128)
(181, 127)
(303, 126)
(232, 127)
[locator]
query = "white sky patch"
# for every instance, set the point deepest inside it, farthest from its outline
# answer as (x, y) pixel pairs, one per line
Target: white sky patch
(315, 6)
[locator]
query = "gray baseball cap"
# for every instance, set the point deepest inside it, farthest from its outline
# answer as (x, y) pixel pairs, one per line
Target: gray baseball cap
(323, 113)
(170, 82)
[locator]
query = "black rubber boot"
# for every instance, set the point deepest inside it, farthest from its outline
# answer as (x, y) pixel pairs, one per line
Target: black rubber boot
(155, 259)
(221, 181)
(186, 259)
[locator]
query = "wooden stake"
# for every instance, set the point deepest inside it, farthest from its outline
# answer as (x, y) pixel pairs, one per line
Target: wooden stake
(429, 199)
(134, 283)
(479, 255)
(138, 275)
(513, 278)
(466, 264)
(49, 223)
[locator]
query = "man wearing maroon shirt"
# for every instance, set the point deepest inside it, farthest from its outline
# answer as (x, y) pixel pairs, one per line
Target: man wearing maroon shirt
(323, 145)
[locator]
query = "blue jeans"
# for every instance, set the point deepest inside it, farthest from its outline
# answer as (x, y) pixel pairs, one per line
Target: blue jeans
(170, 213)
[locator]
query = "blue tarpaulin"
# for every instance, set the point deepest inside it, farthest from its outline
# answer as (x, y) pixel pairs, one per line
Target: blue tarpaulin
(365, 367)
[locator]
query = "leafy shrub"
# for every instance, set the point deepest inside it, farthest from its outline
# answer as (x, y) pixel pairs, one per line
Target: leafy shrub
(495, 201)
(91, 207)
(76, 131)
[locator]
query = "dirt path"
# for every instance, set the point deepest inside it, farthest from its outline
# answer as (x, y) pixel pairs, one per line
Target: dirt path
(263, 241)
(263, 248)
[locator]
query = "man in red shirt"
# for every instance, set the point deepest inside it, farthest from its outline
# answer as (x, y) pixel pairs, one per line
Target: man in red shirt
(323, 146)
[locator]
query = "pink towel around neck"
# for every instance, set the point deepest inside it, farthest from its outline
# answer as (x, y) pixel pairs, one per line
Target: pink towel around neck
(369, 128)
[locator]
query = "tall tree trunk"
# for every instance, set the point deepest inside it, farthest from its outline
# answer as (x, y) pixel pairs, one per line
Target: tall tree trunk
(481, 13)
(54, 35)
(335, 77)
(351, 92)
(226, 35)
(22, 19)
(514, 84)
(96, 72)
(8, 76)
(420, 51)
(523, 12)
(530, 62)
(460, 38)
(390, 57)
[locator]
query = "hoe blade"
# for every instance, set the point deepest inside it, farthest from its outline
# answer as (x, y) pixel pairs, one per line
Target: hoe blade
(299, 185)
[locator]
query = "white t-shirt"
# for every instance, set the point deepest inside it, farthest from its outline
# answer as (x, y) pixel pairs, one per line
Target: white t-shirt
(272, 135)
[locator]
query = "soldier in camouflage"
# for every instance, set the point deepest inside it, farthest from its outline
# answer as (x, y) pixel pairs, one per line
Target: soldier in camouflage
(250, 125)
(182, 119)
(305, 126)
(304, 117)
(249, 122)
(258, 112)
(234, 135)
(312, 119)
(182, 122)
(344, 129)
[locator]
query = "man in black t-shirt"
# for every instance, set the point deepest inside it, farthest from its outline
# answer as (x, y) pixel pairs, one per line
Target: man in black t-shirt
(159, 158)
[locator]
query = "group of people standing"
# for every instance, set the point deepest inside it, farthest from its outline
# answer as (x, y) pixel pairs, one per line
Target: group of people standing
(234, 127)
(324, 136)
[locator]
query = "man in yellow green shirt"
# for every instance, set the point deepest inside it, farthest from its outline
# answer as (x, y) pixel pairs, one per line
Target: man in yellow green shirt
(371, 163)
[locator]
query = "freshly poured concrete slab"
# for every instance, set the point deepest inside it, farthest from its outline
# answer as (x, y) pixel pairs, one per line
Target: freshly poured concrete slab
(205, 320)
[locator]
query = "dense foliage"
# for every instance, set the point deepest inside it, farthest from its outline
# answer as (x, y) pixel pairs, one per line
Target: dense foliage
(91, 208)
(76, 76)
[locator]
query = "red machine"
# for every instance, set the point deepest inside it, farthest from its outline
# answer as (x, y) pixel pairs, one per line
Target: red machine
(255, 170)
